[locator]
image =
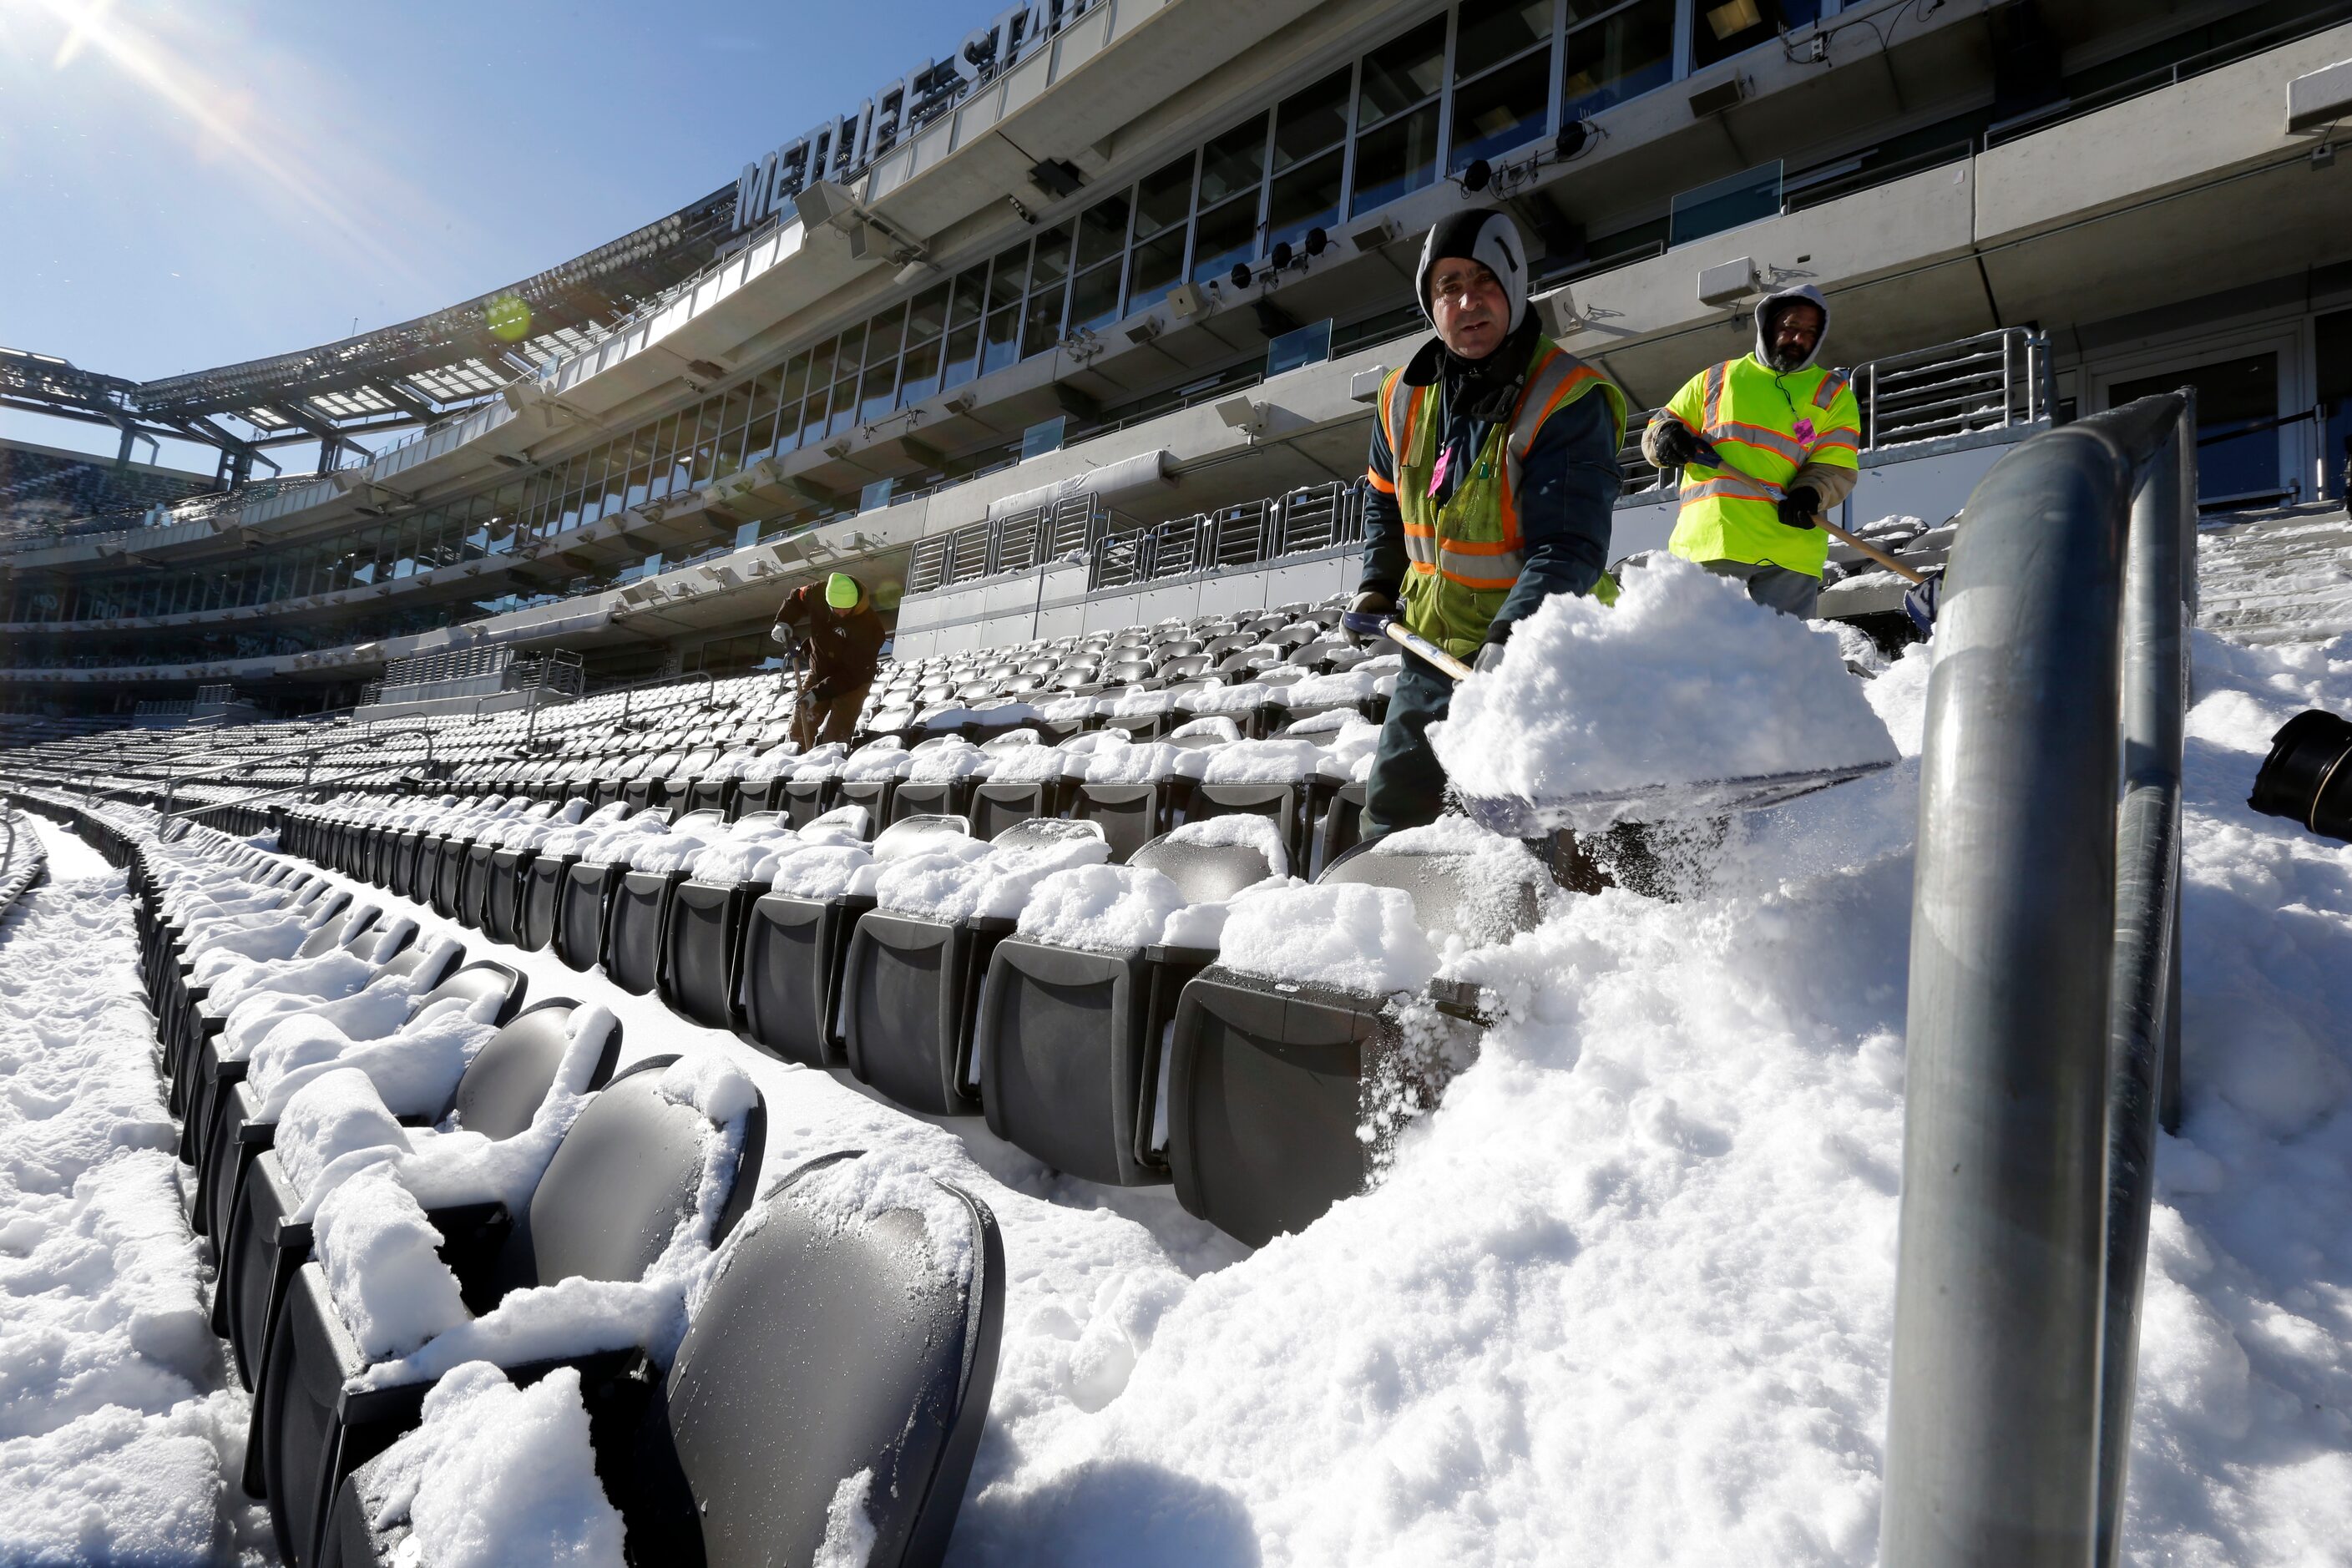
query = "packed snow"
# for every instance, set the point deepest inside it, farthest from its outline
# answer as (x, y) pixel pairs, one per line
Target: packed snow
(1625, 1297)
(115, 1432)
(1682, 681)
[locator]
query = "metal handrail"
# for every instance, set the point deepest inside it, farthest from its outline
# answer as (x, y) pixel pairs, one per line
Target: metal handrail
(2045, 1012)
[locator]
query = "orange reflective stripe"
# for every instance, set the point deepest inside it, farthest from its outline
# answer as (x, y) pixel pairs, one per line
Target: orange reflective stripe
(1481, 547)
(1826, 393)
(1481, 584)
(1386, 487)
(1763, 439)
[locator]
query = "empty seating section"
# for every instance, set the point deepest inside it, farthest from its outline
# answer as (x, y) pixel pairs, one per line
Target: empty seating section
(1002, 899)
(344, 1070)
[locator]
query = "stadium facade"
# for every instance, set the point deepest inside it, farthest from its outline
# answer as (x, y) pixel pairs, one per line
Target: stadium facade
(1077, 325)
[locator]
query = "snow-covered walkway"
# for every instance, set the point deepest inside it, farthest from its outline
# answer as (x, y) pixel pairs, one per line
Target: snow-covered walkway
(115, 1432)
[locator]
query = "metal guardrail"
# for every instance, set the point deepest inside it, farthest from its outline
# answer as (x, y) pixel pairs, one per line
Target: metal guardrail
(2045, 995)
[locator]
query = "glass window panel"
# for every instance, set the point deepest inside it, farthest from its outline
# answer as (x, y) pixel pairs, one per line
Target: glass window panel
(1308, 121)
(820, 366)
(970, 292)
(1398, 75)
(1304, 198)
(1492, 31)
(1053, 260)
(845, 406)
(1399, 157)
(962, 360)
(1502, 109)
(1102, 230)
(927, 314)
(1225, 236)
(1093, 297)
(1002, 347)
(812, 416)
(853, 345)
(880, 394)
(1621, 57)
(795, 381)
(1159, 267)
(884, 334)
(1009, 277)
(1722, 28)
(1233, 161)
(1164, 200)
(1042, 323)
(920, 377)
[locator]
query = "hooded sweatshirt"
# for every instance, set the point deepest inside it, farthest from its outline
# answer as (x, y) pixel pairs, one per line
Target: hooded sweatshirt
(1832, 482)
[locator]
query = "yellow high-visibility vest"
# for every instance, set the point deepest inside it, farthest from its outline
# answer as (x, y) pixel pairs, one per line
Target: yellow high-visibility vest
(1467, 554)
(1766, 425)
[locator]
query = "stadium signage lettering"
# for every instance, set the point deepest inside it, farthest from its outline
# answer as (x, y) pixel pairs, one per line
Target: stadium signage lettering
(842, 147)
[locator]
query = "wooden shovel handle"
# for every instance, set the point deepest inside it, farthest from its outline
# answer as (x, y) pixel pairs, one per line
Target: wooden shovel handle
(1395, 632)
(1843, 537)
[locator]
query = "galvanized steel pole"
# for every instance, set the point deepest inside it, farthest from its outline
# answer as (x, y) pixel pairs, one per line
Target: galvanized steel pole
(1994, 1417)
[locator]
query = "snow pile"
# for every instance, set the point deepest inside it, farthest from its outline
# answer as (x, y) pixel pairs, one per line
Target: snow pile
(775, 762)
(675, 850)
(1216, 726)
(968, 879)
(819, 762)
(415, 1068)
(333, 1114)
(848, 1195)
(575, 1316)
(1030, 764)
(752, 849)
(887, 758)
(1502, 877)
(379, 1252)
(1263, 762)
(1684, 680)
(1244, 829)
(547, 1505)
(354, 999)
(825, 871)
(849, 1534)
(1146, 761)
(114, 1436)
(948, 757)
(1101, 908)
(1238, 699)
(1346, 936)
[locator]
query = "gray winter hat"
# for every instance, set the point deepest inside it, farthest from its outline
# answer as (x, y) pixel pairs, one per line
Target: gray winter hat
(1771, 306)
(1487, 236)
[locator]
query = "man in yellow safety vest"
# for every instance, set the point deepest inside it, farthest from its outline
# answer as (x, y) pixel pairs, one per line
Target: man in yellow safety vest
(1765, 442)
(1492, 476)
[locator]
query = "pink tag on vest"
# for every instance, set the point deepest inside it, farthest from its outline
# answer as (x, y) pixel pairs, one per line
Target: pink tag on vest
(1437, 475)
(1805, 431)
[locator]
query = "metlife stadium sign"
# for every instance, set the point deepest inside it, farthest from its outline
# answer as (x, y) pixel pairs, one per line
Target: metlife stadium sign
(839, 148)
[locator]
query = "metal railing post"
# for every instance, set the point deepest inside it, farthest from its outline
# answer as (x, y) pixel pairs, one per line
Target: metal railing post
(2002, 1297)
(2147, 860)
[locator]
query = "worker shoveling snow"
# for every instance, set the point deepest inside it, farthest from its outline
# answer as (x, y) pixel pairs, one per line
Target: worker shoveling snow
(1684, 696)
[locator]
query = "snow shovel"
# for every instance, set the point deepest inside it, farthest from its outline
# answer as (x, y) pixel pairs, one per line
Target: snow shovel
(1516, 816)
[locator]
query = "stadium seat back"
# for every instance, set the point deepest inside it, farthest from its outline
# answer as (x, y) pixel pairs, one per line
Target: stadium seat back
(1204, 873)
(627, 1172)
(873, 1361)
(1451, 893)
(479, 981)
(505, 1083)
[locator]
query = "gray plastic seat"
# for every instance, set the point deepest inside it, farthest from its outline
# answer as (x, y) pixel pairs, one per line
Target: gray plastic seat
(627, 1170)
(1269, 1082)
(498, 1094)
(1066, 1042)
(874, 1361)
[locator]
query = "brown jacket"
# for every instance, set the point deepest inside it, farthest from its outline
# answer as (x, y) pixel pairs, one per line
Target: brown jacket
(843, 649)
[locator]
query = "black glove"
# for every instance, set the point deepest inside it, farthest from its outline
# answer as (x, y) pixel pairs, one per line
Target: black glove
(825, 691)
(1798, 507)
(1361, 623)
(1676, 447)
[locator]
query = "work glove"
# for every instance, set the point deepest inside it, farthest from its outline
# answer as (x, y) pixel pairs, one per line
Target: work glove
(1489, 655)
(1798, 507)
(825, 691)
(1922, 600)
(1675, 446)
(1369, 611)
(782, 633)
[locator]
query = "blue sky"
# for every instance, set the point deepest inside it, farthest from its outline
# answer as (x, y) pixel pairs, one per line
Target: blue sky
(191, 183)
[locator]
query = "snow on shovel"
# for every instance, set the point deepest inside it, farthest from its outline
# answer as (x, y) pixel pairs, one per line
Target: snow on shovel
(1489, 796)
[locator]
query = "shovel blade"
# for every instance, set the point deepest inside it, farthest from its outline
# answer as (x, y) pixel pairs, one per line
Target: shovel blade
(1516, 816)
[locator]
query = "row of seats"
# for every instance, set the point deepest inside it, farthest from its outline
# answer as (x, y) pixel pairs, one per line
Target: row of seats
(817, 1353)
(1149, 1063)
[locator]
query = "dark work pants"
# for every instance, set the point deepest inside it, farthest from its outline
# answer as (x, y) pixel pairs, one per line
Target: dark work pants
(1407, 788)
